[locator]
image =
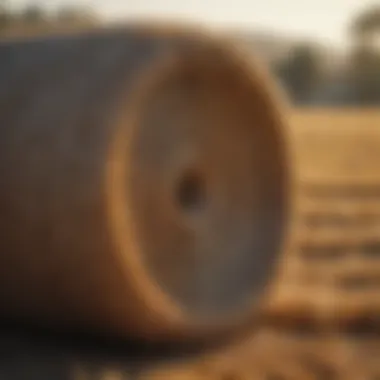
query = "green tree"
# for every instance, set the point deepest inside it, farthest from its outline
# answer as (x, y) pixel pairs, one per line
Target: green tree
(367, 23)
(364, 67)
(76, 15)
(301, 72)
(365, 75)
(5, 15)
(33, 14)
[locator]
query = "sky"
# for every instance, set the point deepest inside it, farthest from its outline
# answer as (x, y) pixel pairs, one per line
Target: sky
(321, 20)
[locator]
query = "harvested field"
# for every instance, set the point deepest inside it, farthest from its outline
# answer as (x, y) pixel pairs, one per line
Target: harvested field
(339, 145)
(324, 317)
(332, 273)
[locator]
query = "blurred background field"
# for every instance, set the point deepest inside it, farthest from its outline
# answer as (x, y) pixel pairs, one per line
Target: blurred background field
(332, 272)
(315, 69)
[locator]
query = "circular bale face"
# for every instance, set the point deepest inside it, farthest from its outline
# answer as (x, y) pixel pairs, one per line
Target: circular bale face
(205, 190)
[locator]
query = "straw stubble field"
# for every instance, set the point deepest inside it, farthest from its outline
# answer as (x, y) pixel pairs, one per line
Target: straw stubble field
(333, 267)
(328, 289)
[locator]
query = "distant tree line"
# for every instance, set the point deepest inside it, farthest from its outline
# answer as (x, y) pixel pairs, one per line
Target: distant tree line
(303, 72)
(34, 15)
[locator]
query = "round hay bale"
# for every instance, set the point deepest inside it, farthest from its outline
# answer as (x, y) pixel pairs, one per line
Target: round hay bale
(143, 182)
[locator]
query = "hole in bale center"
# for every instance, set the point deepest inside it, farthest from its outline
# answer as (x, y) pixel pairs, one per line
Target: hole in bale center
(191, 193)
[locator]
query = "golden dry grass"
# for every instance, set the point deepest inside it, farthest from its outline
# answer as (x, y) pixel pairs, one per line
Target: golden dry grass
(333, 269)
(337, 145)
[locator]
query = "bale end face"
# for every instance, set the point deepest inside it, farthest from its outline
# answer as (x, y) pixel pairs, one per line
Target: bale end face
(205, 189)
